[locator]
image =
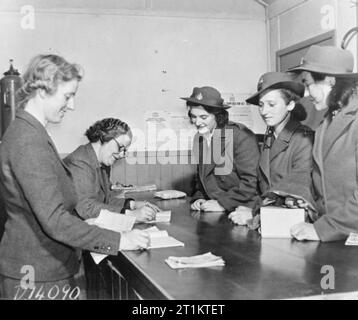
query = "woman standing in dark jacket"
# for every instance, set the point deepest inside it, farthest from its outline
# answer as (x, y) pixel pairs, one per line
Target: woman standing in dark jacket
(285, 164)
(227, 155)
(328, 75)
(39, 249)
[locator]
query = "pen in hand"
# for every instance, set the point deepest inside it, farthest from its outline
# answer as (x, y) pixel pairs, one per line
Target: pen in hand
(152, 206)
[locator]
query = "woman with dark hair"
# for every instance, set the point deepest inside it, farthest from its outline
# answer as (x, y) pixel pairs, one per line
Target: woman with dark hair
(90, 165)
(335, 151)
(227, 155)
(39, 248)
(285, 164)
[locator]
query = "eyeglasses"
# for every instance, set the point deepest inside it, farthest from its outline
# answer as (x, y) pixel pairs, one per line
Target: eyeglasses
(121, 149)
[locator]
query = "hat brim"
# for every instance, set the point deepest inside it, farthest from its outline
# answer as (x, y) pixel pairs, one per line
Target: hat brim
(312, 68)
(293, 86)
(200, 102)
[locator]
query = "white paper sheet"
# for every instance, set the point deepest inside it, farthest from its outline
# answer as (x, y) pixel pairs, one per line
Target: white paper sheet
(111, 221)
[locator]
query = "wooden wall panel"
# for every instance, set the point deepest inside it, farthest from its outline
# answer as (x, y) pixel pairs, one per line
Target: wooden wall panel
(166, 171)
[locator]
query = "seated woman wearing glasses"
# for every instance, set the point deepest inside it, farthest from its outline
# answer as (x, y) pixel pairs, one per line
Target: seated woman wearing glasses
(285, 163)
(90, 165)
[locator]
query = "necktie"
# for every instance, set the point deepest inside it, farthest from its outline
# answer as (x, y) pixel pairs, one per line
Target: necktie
(269, 138)
(265, 157)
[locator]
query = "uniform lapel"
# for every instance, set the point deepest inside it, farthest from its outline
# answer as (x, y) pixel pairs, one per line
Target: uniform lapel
(215, 152)
(92, 158)
(317, 146)
(283, 139)
(43, 132)
(264, 163)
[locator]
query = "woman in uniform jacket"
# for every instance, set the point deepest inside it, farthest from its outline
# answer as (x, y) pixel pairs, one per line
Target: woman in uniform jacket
(329, 77)
(227, 155)
(90, 166)
(39, 249)
(285, 164)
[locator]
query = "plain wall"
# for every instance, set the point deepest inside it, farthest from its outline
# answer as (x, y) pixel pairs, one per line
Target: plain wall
(140, 55)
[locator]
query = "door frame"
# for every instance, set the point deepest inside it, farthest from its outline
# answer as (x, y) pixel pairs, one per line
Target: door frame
(330, 35)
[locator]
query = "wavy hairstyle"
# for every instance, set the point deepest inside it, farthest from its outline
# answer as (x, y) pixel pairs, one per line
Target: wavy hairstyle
(46, 71)
(221, 115)
(341, 94)
(107, 129)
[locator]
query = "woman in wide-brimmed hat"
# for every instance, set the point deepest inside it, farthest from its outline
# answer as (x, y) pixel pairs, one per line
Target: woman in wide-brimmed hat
(285, 164)
(227, 155)
(329, 78)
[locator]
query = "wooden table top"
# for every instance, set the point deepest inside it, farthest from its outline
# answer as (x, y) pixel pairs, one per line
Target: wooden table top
(254, 268)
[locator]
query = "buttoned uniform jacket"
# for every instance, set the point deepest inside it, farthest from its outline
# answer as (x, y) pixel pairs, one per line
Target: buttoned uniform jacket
(91, 182)
(227, 170)
(290, 163)
(335, 174)
(42, 228)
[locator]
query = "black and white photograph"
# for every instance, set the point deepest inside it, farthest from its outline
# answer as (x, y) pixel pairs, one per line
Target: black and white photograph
(194, 151)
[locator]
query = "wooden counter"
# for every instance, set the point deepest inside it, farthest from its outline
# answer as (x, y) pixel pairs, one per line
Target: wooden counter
(255, 268)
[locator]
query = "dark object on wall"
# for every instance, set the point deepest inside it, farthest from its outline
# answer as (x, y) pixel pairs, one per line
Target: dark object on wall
(8, 86)
(348, 37)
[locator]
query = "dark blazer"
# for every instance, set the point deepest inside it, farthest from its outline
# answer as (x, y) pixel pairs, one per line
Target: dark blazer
(42, 228)
(335, 174)
(227, 170)
(91, 182)
(290, 162)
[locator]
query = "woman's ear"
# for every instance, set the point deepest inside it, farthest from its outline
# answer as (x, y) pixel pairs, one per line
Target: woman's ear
(290, 105)
(330, 80)
(42, 93)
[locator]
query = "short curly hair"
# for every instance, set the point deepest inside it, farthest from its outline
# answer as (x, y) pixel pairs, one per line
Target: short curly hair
(107, 129)
(221, 115)
(46, 72)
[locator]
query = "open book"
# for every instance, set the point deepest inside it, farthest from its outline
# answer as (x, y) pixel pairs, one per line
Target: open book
(161, 239)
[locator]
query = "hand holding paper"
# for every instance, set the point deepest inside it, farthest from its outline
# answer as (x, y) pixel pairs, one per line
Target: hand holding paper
(134, 240)
(111, 221)
(161, 239)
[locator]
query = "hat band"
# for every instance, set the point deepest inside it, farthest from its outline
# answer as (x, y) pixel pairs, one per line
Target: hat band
(216, 102)
(325, 68)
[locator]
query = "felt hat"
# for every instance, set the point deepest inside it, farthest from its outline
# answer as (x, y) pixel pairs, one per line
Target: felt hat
(207, 96)
(328, 60)
(276, 80)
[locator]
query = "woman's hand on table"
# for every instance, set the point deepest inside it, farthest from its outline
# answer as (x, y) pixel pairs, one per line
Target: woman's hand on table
(140, 204)
(211, 205)
(144, 213)
(196, 205)
(304, 231)
(134, 240)
(241, 215)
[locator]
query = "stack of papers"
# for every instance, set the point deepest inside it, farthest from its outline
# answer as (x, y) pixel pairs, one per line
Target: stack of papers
(352, 240)
(111, 221)
(161, 216)
(276, 222)
(133, 188)
(200, 261)
(161, 239)
(170, 194)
